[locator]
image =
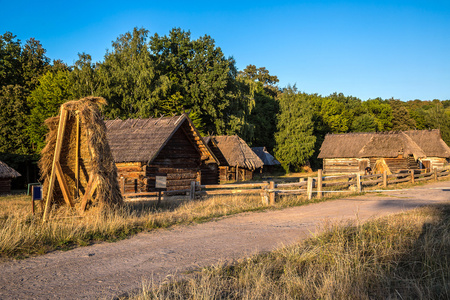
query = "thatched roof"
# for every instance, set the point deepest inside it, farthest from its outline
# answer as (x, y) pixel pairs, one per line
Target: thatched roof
(237, 153)
(141, 140)
(343, 145)
(430, 142)
(380, 144)
(95, 159)
(7, 172)
(265, 156)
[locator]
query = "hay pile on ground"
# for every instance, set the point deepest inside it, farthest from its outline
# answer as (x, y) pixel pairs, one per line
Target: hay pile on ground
(95, 158)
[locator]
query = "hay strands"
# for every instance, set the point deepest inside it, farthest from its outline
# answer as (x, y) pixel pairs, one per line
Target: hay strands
(57, 172)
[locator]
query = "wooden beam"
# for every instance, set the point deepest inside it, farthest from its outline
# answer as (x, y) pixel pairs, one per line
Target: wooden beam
(77, 156)
(90, 189)
(63, 184)
(59, 140)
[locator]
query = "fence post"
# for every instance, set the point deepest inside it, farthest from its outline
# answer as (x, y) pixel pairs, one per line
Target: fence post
(264, 195)
(435, 174)
(319, 183)
(384, 178)
(272, 193)
(412, 176)
(358, 183)
(309, 188)
(192, 193)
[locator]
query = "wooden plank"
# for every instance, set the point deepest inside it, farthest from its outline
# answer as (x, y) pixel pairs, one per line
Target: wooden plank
(77, 155)
(310, 187)
(63, 185)
(59, 140)
(227, 186)
(319, 183)
(90, 189)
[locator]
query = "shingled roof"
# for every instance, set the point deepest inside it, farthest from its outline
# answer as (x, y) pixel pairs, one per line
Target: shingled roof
(7, 172)
(265, 156)
(380, 144)
(237, 152)
(141, 140)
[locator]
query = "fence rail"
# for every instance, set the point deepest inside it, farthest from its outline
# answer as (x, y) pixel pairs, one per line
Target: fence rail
(319, 185)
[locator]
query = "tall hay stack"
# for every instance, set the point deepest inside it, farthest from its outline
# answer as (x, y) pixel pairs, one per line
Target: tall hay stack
(94, 168)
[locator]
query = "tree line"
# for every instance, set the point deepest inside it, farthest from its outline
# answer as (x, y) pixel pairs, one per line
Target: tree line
(145, 76)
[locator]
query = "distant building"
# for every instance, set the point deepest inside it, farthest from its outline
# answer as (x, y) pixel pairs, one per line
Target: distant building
(270, 162)
(237, 160)
(390, 151)
(6, 175)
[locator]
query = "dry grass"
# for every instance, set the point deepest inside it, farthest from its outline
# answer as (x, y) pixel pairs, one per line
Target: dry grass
(22, 234)
(405, 256)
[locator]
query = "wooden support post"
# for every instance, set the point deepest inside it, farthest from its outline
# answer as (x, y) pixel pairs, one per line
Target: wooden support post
(309, 188)
(358, 183)
(264, 194)
(192, 192)
(319, 183)
(58, 146)
(237, 172)
(63, 184)
(435, 174)
(77, 157)
(384, 178)
(272, 193)
(412, 176)
(159, 198)
(90, 189)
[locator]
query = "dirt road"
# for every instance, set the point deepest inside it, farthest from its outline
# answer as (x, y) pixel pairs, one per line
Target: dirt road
(109, 269)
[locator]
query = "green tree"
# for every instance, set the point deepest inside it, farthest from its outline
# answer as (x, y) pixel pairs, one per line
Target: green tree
(44, 102)
(13, 116)
(401, 119)
(295, 139)
(381, 111)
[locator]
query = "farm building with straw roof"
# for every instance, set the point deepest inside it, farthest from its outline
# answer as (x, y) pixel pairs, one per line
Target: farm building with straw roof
(166, 146)
(382, 151)
(76, 164)
(6, 175)
(237, 160)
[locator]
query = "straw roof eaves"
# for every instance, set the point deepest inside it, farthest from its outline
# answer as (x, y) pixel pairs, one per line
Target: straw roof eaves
(7, 172)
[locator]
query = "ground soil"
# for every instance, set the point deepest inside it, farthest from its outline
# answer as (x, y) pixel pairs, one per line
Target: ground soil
(107, 270)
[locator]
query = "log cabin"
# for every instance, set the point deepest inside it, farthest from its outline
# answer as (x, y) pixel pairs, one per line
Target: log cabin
(237, 160)
(384, 151)
(166, 146)
(6, 175)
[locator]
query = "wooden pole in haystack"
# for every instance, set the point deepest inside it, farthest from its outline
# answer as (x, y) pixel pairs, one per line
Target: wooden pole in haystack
(56, 167)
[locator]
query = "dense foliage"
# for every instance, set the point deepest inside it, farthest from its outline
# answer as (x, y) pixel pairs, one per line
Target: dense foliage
(148, 76)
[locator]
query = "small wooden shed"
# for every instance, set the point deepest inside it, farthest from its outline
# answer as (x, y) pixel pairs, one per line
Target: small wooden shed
(6, 175)
(353, 152)
(166, 146)
(237, 160)
(270, 162)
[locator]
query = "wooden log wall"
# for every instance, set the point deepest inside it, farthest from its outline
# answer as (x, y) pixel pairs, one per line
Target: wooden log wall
(228, 174)
(341, 165)
(436, 162)
(135, 176)
(5, 185)
(209, 174)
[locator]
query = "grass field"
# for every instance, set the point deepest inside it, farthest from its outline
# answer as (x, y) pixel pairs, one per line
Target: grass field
(405, 256)
(22, 234)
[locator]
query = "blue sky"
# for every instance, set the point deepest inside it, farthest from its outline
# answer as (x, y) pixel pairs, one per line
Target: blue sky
(367, 49)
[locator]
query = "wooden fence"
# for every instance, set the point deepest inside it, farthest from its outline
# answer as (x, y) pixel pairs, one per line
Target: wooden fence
(310, 186)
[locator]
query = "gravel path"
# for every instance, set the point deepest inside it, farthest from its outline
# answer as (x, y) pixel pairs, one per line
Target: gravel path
(109, 269)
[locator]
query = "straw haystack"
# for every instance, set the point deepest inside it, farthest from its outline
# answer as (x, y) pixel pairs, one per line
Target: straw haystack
(76, 164)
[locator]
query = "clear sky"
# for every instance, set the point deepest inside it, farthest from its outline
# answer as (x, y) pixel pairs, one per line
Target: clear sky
(368, 49)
